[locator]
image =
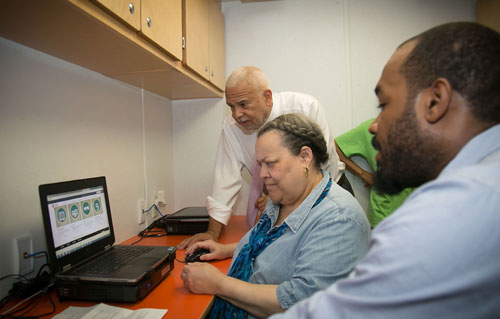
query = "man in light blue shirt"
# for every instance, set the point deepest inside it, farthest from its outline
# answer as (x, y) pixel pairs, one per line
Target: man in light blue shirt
(438, 255)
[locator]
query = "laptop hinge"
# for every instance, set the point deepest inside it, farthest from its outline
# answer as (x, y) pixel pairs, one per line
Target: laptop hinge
(107, 247)
(66, 267)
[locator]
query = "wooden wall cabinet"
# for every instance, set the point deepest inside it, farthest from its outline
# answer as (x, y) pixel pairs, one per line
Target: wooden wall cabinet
(89, 34)
(196, 54)
(158, 20)
(161, 22)
(217, 45)
(204, 50)
(488, 13)
(127, 10)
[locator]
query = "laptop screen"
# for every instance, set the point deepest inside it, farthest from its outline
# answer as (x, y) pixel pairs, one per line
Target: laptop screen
(77, 220)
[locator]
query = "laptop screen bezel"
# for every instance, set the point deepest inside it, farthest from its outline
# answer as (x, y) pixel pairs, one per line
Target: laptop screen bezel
(84, 253)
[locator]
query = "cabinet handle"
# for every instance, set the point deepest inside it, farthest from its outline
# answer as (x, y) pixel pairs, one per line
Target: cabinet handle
(148, 21)
(131, 8)
(206, 68)
(212, 73)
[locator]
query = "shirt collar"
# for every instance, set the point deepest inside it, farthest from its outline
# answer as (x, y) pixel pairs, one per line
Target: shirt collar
(297, 217)
(477, 149)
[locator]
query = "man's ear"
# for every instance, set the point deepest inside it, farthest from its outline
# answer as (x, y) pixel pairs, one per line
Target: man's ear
(268, 95)
(436, 100)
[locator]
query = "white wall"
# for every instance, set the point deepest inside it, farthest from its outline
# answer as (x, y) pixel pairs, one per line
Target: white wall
(61, 122)
(377, 27)
(333, 50)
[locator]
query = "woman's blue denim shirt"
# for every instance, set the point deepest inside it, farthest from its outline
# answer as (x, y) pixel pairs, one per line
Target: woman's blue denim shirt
(320, 246)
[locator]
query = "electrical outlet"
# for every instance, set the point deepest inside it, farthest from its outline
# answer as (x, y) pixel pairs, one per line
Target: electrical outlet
(154, 200)
(159, 201)
(161, 198)
(141, 207)
(24, 248)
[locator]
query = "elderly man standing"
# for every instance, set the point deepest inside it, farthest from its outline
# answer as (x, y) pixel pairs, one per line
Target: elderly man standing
(437, 256)
(252, 105)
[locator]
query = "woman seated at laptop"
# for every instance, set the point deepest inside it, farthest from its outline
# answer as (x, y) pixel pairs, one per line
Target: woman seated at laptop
(311, 233)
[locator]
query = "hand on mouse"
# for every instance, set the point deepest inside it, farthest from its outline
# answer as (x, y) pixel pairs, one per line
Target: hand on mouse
(201, 278)
(196, 256)
(217, 251)
(189, 242)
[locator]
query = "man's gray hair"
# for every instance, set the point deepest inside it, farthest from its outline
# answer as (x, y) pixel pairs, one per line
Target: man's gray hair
(251, 74)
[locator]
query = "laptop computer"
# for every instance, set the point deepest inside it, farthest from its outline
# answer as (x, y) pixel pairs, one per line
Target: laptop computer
(80, 237)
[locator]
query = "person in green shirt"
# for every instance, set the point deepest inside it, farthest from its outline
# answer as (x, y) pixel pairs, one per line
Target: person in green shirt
(358, 141)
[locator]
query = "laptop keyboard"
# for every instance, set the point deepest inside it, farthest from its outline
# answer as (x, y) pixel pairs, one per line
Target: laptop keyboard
(114, 260)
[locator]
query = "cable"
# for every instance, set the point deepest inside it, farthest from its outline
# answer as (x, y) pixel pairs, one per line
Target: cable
(38, 253)
(9, 297)
(135, 242)
(24, 302)
(148, 231)
(41, 267)
(155, 207)
(28, 289)
(23, 316)
(154, 233)
(158, 210)
(14, 275)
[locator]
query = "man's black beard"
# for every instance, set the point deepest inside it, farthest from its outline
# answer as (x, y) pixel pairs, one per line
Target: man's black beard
(409, 159)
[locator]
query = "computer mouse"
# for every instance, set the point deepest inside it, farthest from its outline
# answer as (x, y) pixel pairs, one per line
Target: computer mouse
(195, 256)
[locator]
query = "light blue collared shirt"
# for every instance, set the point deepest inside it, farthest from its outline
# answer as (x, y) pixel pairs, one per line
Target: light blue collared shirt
(320, 245)
(437, 256)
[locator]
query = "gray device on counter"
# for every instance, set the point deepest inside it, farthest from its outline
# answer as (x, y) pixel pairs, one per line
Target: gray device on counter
(187, 221)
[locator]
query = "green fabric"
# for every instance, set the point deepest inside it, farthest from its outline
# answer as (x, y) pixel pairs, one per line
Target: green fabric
(358, 141)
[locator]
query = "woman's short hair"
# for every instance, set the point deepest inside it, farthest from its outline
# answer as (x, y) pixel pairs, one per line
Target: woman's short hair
(298, 130)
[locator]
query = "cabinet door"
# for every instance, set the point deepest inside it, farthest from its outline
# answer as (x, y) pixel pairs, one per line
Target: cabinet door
(196, 54)
(127, 10)
(161, 22)
(217, 45)
(488, 13)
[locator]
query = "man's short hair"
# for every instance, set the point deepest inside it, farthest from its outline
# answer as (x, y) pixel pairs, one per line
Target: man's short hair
(251, 74)
(466, 54)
